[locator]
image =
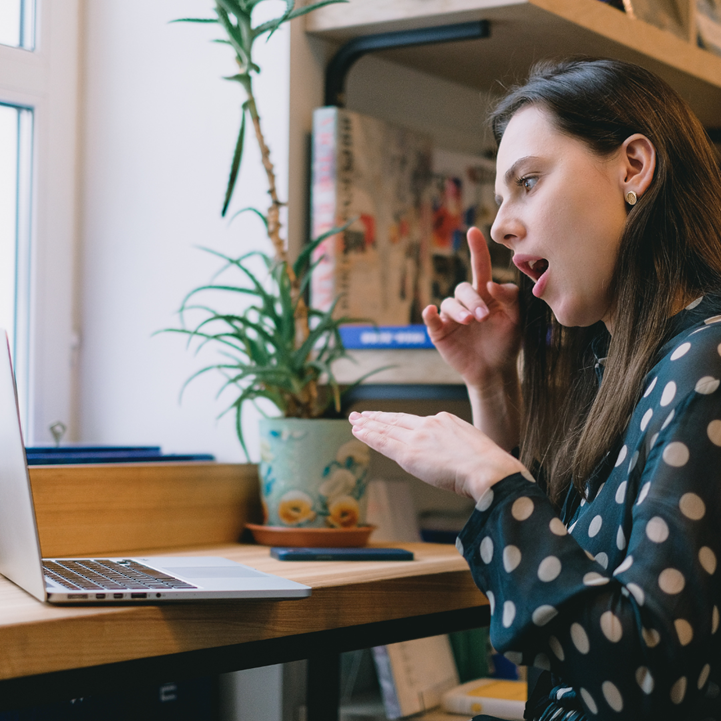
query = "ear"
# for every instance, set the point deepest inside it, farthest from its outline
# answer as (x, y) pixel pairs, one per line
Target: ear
(638, 156)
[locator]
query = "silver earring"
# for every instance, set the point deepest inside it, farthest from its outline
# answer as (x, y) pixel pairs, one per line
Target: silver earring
(631, 197)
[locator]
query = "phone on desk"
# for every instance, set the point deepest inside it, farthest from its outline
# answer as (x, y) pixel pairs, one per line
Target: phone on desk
(341, 554)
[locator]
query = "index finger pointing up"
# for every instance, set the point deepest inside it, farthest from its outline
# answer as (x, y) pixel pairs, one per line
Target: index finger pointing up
(480, 261)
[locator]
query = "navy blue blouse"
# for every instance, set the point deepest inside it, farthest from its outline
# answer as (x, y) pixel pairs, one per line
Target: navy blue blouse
(619, 597)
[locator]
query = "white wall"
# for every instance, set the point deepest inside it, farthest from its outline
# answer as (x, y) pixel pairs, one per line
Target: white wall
(158, 131)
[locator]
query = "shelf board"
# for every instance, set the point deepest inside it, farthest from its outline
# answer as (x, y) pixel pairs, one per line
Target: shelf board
(523, 31)
(408, 367)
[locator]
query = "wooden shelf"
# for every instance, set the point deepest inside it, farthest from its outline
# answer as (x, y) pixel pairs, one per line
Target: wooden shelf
(524, 31)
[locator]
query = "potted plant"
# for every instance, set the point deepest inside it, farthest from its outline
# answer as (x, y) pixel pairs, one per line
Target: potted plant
(312, 470)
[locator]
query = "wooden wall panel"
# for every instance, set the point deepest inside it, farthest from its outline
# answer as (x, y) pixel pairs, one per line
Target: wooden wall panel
(104, 509)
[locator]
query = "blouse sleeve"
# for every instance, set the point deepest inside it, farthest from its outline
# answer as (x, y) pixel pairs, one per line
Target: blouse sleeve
(635, 641)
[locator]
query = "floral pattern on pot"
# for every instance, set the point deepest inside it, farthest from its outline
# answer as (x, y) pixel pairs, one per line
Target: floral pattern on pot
(313, 474)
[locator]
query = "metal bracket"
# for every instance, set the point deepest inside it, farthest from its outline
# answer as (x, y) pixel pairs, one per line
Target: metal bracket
(353, 50)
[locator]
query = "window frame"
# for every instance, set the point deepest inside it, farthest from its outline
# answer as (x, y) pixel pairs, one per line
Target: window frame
(46, 79)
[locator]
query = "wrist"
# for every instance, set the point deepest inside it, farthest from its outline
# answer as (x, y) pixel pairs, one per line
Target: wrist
(478, 483)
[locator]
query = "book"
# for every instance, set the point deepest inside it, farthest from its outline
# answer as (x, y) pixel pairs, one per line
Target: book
(413, 675)
(388, 336)
(375, 176)
(494, 697)
(60, 455)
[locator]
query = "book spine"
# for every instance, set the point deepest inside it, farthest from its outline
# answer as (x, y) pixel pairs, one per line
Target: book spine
(385, 337)
(503, 708)
(324, 191)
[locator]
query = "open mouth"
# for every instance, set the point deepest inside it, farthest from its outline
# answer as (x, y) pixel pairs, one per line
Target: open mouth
(534, 268)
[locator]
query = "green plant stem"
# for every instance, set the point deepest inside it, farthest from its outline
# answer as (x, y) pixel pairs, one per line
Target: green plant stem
(309, 395)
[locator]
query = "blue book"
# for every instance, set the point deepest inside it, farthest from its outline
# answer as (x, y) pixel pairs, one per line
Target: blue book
(52, 455)
(385, 336)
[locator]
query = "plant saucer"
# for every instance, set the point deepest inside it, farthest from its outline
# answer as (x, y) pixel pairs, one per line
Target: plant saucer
(310, 537)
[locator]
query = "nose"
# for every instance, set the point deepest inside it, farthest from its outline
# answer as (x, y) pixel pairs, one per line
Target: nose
(507, 227)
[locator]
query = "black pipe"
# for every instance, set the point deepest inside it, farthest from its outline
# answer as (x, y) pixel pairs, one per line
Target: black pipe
(353, 50)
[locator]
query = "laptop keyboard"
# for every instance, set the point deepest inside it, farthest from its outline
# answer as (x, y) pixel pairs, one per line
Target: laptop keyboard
(103, 575)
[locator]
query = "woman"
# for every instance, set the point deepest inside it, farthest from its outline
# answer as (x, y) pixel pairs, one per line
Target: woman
(604, 572)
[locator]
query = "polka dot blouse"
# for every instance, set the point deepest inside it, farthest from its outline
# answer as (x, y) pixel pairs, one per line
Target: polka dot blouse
(619, 597)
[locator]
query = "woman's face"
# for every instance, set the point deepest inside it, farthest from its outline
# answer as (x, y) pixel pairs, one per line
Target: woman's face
(562, 213)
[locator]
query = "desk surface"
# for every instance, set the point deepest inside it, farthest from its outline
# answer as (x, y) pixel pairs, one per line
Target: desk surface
(37, 638)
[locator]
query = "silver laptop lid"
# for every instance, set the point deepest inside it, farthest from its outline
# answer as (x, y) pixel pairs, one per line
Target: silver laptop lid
(19, 542)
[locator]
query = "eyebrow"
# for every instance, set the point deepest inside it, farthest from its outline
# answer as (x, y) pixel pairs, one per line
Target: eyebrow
(513, 171)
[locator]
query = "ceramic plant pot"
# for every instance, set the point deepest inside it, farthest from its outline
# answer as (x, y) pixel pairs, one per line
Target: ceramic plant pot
(313, 473)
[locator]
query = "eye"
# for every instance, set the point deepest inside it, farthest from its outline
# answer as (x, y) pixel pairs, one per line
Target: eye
(528, 182)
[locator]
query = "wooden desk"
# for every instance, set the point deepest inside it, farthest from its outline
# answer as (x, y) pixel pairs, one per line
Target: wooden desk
(65, 652)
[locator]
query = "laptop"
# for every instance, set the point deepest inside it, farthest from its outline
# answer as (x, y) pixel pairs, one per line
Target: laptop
(148, 579)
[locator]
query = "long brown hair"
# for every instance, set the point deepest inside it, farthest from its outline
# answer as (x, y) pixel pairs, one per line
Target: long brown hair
(670, 250)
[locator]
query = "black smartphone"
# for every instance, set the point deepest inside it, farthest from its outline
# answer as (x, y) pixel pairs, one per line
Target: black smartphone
(341, 554)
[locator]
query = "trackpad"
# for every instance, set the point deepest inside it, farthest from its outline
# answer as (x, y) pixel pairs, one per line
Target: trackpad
(216, 572)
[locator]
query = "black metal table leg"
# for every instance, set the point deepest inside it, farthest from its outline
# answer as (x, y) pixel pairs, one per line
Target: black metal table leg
(323, 690)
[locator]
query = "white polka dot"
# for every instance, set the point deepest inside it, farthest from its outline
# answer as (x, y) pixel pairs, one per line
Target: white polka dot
(651, 637)
(491, 600)
(613, 696)
(646, 418)
(621, 456)
(707, 558)
(653, 440)
(684, 631)
(668, 393)
(680, 351)
(637, 592)
(580, 638)
(522, 508)
(549, 568)
(625, 565)
(714, 319)
(584, 501)
(703, 676)
(486, 549)
(714, 432)
(594, 579)
(588, 700)
(718, 348)
(676, 454)
(600, 488)
(657, 530)
(634, 461)
(591, 557)
(620, 539)
(514, 657)
(509, 613)
(484, 502)
(694, 303)
(595, 526)
(556, 647)
(572, 526)
(511, 558)
(644, 492)
(557, 527)
(541, 661)
(621, 492)
(678, 690)
(543, 614)
(602, 559)
(528, 475)
(671, 581)
(692, 506)
(669, 418)
(714, 619)
(651, 386)
(707, 385)
(611, 626)
(644, 679)
(459, 545)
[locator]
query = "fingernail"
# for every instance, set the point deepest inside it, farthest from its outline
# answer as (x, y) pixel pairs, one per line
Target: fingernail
(481, 313)
(353, 416)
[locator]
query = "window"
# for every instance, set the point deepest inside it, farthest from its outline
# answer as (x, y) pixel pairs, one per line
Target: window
(39, 46)
(15, 221)
(17, 23)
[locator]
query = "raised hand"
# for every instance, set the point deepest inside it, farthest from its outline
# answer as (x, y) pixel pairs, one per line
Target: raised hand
(477, 331)
(441, 450)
